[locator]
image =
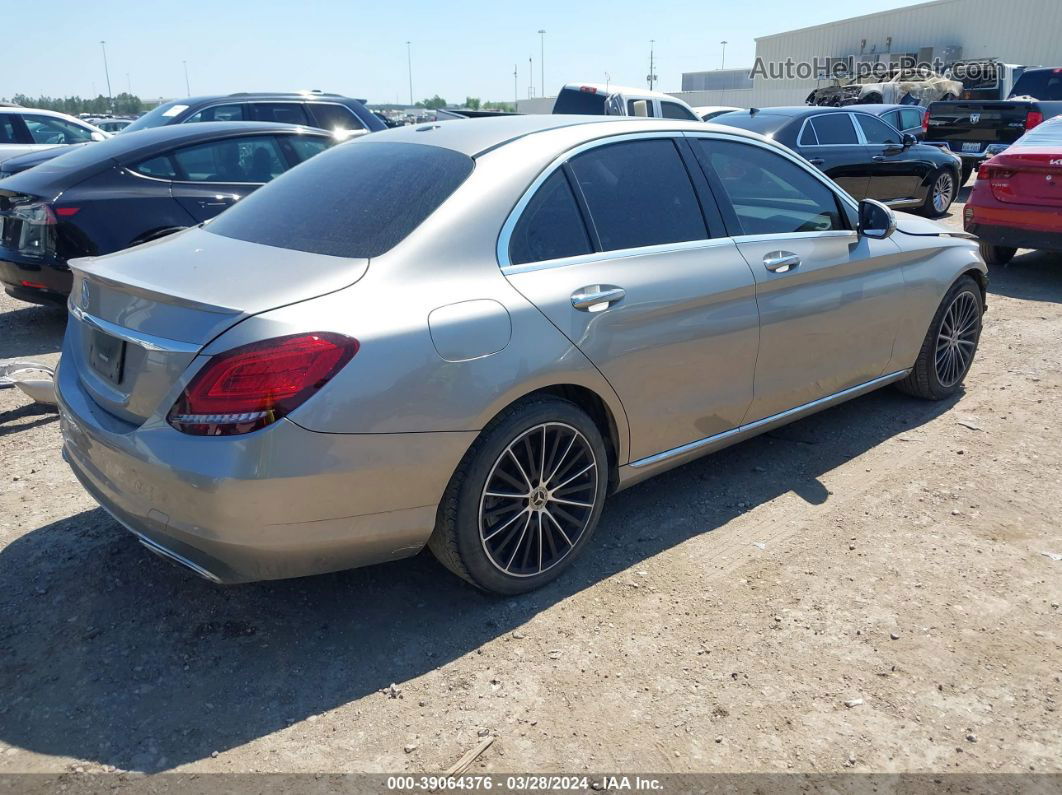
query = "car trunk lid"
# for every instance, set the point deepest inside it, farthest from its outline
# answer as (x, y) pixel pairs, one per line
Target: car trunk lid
(139, 318)
(1027, 176)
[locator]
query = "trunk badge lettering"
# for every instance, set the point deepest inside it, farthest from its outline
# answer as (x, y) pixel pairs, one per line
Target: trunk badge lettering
(974, 118)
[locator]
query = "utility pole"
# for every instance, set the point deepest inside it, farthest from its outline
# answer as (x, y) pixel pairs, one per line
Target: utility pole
(516, 86)
(107, 73)
(409, 64)
(651, 77)
(722, 64)
(542, 60)
(186, 86)
(530, 77)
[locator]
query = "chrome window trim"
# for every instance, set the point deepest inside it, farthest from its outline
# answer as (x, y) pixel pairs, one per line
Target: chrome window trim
(148, 341)
(619, 253)
(780, 236)
(505, 236)
(751, 426)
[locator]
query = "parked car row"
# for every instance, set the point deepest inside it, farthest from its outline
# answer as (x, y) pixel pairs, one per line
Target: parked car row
(131, 189)
(25, 130)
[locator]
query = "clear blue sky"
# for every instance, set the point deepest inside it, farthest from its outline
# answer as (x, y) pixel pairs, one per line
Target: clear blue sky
(459, 48)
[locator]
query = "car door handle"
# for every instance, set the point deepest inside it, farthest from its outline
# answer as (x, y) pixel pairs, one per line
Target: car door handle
(781, 261)
(878, 158)
(596, 297)
(817, 161)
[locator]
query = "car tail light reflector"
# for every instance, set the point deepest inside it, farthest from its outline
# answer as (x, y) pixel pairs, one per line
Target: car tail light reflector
(66, 212)
(925, 122)
(1033, 119)
(254, 385)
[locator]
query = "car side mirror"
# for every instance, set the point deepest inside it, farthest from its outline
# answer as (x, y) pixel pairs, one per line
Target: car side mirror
(98, 136)
(909, 140)
(876, 220)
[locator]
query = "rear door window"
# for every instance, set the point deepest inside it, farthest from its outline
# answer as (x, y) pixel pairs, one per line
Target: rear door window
(639, 194)
(834, 128)
(231, 160)
(359, 199)
(909, 119)
(673, 110)
(876, 131)
(551, 226)
(769, 193)
(234, 112)
(160, 167)
(283, 112)
(333, 117)
(303, 147)
(640, 107)
(1042, 84)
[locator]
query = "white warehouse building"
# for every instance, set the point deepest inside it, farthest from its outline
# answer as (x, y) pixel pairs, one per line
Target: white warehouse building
(1027, 32)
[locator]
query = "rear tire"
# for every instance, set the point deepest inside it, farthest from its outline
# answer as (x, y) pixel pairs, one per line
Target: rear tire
(964, 175)
(941, 194)
(525, 498)
(997, 255)
(950, 345)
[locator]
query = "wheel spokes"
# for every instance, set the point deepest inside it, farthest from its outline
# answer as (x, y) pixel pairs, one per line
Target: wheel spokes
(538, 499)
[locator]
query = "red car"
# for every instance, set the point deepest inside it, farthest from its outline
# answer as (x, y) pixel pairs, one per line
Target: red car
(1017, 199)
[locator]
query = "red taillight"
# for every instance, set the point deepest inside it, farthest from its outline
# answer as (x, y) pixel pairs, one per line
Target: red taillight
(1033, 118)
(925, 122)
(66, 212)
(249, 387)
(34, 285)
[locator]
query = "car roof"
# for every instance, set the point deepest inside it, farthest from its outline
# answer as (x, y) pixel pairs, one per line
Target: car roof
(133, 143)
(474, 137)
(304, 96)
(611, 88)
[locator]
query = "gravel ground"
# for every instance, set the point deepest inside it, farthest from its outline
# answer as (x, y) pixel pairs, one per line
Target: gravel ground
(864, 590)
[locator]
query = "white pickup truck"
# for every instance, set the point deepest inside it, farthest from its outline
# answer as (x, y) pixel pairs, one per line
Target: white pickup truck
(600, 99)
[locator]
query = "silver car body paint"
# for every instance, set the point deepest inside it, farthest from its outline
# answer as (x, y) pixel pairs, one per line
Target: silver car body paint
(705, 349)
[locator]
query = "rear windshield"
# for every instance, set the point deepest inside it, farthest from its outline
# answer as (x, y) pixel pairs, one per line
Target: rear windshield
(1049, 134)
(571, 100)
(358, 199)
(1043, 84)
(762, 123)
(158, 117)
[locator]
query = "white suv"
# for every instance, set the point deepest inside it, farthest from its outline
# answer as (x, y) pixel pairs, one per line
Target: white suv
(25, 130)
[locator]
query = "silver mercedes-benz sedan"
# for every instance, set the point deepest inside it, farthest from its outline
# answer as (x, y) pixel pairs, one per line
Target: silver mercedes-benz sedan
(467, 334)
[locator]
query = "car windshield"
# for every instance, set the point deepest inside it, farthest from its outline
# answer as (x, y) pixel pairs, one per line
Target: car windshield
(762, 123)
(358, 199)
(161, 115)
(1043, 84)
(1049, 134)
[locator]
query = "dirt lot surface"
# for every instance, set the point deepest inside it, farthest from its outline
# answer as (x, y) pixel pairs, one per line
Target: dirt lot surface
(888, 554)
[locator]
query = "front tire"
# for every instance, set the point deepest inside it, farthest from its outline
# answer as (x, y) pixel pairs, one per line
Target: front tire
(525, 499)
(997, 255)
(950, 344)
(964, 175)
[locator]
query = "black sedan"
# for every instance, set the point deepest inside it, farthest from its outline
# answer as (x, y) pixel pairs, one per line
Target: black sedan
(131, 189)
(863, 154)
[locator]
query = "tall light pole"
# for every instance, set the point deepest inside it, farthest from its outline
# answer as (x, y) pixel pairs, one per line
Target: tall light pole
(107, 73)
(722, 62)
(530, 77)
(409, 66)
(516, 85)
(542, 60)
(187, 87)
(651, 78)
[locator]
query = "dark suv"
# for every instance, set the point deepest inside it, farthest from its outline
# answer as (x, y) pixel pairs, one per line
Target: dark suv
(310, 109)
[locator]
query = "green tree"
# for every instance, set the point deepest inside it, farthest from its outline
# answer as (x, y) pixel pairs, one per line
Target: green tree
(433, 103)
(472, 103)
(123, 104)
(508, 107)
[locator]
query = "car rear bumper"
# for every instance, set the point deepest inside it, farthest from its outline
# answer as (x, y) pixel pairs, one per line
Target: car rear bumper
(1016, 226)
(280, 502)
(34, 280)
